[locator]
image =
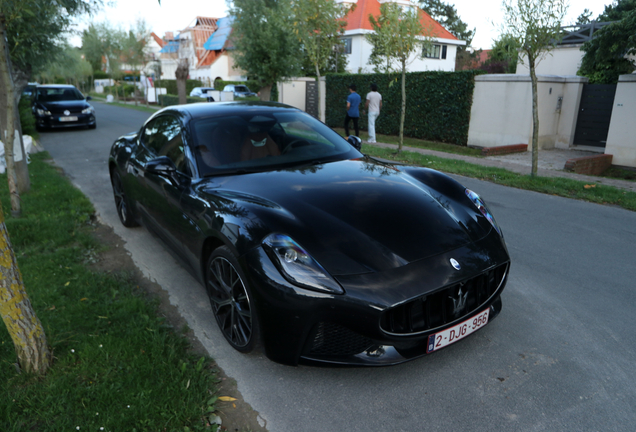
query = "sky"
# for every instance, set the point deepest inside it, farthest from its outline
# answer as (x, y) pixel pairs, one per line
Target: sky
(175, 15)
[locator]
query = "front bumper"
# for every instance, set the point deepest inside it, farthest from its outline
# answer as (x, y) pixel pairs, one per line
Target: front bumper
(383, 318)
(59, 121)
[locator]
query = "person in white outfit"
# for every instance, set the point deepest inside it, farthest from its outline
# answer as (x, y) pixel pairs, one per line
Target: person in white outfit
(373, 105)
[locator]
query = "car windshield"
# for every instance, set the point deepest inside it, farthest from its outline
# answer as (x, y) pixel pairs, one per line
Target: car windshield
(57, 94)
(264, 141)
(241, 88)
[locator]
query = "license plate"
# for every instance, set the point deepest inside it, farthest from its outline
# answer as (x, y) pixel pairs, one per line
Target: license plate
(71, 118)
(455, 333)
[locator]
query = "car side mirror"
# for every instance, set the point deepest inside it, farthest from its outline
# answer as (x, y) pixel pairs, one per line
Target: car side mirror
(162, 166)
(355, 142)
(89, 98)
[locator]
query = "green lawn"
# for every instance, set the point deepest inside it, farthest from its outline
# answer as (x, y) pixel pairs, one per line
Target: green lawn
(117, 364)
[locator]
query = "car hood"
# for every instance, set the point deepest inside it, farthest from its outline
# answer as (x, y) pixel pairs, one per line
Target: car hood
(73, 106)
(353, 216)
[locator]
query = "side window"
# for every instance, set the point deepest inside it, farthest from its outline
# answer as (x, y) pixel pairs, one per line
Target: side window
(347, 45)
(162, 136)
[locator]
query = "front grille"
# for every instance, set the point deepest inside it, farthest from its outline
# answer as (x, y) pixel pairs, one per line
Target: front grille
(451, 303)
(335, 340)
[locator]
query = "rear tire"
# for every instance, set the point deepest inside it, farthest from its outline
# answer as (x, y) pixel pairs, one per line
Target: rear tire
(232, 301)
(121, 201)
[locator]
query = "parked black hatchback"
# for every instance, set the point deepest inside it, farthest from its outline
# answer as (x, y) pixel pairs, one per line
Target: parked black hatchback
(58, 106)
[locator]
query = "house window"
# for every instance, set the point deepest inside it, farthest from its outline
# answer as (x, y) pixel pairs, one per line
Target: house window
(433, 52)
(436, 51)
(346, 43)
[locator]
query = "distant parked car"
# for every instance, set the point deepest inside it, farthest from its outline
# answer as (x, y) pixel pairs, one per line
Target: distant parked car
(200, 92)
(239, 90)
(58, 106)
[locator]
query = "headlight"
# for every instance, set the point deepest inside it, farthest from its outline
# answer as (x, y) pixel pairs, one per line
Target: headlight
(481, 205)
(88, 110)
(43, 112)
(297, 266)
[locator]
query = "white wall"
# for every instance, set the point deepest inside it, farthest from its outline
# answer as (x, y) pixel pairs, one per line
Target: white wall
(621, 139)
(293, 93)
(501, 113)
(562, 60)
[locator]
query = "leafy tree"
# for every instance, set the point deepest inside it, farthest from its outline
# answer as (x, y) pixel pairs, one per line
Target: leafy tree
(606, 54)
(398, 34)
(318, 24)
(68, 65)
(504, 54)
(265, 45)
(103, 42)
(585, 16)
(336, 63)
(536, 27)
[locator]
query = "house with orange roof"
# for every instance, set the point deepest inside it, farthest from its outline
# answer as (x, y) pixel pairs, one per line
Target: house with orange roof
(358, 50)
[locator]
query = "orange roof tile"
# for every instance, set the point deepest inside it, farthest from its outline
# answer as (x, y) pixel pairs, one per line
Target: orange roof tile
(157, 39)
(359, 19)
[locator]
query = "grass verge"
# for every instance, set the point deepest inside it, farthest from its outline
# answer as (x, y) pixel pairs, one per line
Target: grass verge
(140, 107)
(559, 186)
(419, 143)
(117, 365)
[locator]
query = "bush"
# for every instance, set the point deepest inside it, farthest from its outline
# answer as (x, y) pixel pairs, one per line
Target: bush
(27, 121)
(171, 85)
(100, 75)
(172, 99)
(437, 103)
(121, 90)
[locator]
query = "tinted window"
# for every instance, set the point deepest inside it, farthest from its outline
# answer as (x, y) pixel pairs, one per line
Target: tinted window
(162, 136)
(56, 94)
(265, 141)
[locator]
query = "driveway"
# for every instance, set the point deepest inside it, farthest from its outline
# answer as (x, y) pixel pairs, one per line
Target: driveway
(559, 357)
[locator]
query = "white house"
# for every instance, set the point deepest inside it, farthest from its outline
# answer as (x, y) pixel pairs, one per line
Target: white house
(357, 50)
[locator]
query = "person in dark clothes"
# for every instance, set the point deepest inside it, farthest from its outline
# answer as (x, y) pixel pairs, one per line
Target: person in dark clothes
(353, 111)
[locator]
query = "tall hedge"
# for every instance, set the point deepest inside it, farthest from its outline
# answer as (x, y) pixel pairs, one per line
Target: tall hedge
(171, 85)
(437, 103)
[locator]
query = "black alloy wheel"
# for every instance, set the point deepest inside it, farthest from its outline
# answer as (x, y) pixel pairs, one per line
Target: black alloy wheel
(230, 300)
(121, 202)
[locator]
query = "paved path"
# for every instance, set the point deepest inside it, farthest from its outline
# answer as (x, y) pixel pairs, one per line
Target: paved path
(551, 163)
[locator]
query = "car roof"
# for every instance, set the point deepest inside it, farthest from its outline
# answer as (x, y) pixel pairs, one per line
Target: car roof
(206, 109)
(56, 86)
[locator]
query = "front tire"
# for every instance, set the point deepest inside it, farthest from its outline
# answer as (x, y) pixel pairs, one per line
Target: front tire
(121, 201)
(231, 300)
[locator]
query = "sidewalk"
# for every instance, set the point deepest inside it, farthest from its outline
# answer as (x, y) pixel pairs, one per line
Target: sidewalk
(551, 163)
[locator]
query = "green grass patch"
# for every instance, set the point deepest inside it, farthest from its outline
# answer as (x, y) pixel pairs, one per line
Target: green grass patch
(568, 188)
(140, 107)
(117, 364)
(620, 173)
(419, 143)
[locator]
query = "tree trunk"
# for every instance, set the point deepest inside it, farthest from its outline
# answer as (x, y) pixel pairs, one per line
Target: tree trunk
(18, 173)
(183, 69)
(22, 323)
(266, 92)
(7, 120)
(535, 117)
(318, 84)
(403, 111)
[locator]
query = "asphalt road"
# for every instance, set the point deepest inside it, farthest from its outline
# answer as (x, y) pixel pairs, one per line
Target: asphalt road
(560, 357)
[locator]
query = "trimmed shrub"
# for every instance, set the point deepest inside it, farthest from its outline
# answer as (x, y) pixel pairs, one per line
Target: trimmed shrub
(171, 85)
(437, 103)
(27, 121)
(172, 99)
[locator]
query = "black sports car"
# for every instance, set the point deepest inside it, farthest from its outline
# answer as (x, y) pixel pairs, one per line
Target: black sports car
(304, 244)
(60, 106)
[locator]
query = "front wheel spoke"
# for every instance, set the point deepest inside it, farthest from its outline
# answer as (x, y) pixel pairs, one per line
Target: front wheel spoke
(221, 303)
